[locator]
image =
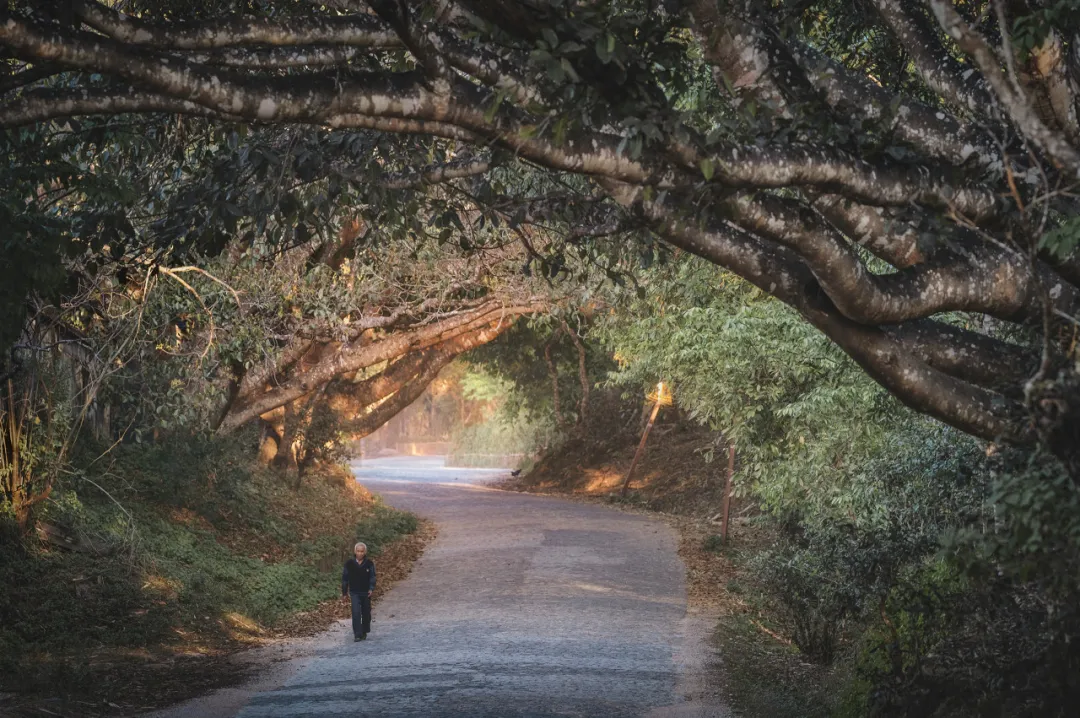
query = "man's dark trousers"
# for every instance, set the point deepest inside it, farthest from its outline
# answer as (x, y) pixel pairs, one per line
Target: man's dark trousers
(361, 614)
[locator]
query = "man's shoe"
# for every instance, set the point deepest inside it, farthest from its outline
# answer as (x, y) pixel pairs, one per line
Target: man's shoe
(363, 636)
(357, 638)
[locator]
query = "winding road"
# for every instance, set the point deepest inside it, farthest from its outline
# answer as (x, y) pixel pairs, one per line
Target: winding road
(524, 606)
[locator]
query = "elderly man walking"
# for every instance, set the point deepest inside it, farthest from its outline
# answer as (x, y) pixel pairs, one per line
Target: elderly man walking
(357, 585)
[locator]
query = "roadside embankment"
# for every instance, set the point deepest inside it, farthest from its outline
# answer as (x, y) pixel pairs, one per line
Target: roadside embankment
(151, 569)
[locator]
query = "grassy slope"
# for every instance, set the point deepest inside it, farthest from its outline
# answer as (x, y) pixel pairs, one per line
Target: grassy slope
(185, 553)
(762, 675)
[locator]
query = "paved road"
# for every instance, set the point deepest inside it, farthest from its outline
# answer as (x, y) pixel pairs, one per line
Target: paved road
(524, 606)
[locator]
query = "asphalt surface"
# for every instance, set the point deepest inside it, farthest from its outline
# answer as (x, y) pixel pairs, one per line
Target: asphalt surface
(524, 606)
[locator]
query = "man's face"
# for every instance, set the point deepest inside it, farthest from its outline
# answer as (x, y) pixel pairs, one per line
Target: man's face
(360, 553)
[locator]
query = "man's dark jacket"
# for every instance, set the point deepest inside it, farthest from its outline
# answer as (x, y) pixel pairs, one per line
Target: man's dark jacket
(358, 578)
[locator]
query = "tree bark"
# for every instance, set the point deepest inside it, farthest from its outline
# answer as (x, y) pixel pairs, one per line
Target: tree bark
(554, 375)
(285, 458)
(583, 374)
(957, 213)
(359, 355)
(379, 399)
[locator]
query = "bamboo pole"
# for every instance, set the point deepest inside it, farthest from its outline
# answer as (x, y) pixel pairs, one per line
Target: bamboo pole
(641, 447)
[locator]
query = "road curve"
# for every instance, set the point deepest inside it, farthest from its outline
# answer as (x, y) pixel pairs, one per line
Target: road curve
(524, 606)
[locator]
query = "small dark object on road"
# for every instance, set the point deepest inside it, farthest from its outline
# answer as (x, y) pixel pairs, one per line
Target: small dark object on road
(515, 472)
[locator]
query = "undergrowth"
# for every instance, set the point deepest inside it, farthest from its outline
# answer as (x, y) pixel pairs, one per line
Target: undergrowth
(183, 548)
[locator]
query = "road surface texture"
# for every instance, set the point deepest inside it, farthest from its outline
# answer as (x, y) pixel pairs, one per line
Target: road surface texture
(524, 606)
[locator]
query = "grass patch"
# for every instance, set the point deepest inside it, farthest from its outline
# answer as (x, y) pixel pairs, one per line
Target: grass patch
(185, 549)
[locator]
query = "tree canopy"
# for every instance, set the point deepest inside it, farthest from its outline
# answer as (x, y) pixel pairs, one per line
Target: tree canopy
(900, 174)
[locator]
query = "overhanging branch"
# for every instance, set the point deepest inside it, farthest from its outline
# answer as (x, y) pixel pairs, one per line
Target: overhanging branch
(353, 30)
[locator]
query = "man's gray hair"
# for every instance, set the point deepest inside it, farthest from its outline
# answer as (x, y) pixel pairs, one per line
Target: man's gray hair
(358, 545)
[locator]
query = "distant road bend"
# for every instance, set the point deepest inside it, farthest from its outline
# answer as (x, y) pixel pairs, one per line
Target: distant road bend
(524, 606)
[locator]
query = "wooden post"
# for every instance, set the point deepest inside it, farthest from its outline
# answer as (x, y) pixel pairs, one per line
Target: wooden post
(641, 447)
(727, 494)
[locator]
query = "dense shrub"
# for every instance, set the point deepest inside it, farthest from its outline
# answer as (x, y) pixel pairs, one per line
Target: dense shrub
(998, 628)
(960, 589)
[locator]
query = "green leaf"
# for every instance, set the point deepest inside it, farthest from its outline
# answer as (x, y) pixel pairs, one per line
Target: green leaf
(489, 114)
(1062, 240)
(602, 51)
(559, 133)
(707, 169)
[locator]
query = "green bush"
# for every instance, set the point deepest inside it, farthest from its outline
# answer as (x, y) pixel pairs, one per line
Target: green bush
(961, 587)
(714, 543)
(996, 629)
(384, 525)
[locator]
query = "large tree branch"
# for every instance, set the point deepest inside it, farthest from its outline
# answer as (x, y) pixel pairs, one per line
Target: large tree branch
(307, 351)
(932, 61)
(738, 53)
(43, 104)
(931, 132)
(278, 57)
(875, 184)
(348, 399)
(396, 14)
(431, 363)
(358, 355)
(353, 30)
(381, 101)
(489, 69)
(1021, 110)
(256, 379)
(892, 240)
(981, 278)
(903, 373)
(968, 355)
(361, 426)
(1056, 85)
(393, 102)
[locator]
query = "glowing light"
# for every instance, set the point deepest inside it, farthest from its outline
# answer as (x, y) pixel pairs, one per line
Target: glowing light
(662, 395)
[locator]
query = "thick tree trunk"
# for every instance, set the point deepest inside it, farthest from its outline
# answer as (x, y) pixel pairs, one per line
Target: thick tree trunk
(269, 440)
(554, 375)
(583, 374)
(285, 459)
(359, 355)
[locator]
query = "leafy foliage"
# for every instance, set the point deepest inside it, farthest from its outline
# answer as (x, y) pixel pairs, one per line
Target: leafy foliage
(801, 413)
(945, 576)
